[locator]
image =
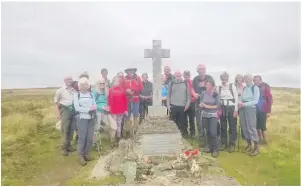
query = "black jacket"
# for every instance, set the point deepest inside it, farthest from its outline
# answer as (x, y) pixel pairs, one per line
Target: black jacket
(169, 79)
(196, 81)
(147, 88)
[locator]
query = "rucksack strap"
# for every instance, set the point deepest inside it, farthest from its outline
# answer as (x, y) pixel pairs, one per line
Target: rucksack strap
(230, 88)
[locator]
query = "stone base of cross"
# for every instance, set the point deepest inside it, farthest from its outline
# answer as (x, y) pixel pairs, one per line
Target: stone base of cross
(157, 53)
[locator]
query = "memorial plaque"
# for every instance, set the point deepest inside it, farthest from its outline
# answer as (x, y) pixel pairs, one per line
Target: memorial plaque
(161, 144)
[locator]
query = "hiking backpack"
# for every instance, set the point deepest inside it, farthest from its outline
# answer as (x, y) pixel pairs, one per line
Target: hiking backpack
(230, 88)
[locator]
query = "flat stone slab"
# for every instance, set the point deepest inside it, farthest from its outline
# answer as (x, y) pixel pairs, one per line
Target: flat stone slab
(99, 171)
(161, 144)
(158, 125)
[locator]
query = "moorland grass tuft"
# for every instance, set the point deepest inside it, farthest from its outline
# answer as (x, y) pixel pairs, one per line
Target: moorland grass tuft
(31, 154)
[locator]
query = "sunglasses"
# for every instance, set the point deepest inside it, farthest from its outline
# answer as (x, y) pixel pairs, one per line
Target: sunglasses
(102, 83)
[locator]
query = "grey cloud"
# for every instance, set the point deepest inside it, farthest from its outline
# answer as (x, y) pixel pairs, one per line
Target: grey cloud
(43, 42)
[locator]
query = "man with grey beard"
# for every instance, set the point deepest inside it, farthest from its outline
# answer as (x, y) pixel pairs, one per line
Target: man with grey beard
(178, 101)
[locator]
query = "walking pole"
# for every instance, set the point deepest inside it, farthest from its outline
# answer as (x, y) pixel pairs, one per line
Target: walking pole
(239, 134)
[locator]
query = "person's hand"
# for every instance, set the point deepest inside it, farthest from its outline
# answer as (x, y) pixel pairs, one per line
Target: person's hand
(186, 108)
(268, 115)
(202, 105)
(93, 108)
(106, 108)
(235, 114)
(205, 106)
(129, 91)
(240, 104)
(126, 113)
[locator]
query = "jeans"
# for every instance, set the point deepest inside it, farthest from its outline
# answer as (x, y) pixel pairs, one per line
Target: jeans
(210, 125)
(133, 108)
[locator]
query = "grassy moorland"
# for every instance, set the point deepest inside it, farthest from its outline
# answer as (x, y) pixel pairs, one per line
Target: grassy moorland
(30, 152)
(279, 163)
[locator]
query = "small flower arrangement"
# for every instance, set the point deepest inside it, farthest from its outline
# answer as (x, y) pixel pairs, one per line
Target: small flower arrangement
(190, 156)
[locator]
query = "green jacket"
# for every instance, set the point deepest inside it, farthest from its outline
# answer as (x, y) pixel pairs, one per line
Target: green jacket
(100, 99)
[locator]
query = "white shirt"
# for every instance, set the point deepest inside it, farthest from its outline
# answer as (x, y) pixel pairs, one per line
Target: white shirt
(226, 95)
(64, 96)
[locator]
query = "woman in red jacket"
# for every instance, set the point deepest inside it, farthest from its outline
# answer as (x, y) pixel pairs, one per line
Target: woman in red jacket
(132, 85)
(118, 104)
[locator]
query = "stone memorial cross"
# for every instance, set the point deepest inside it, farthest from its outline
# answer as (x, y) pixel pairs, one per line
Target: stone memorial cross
(157, 53)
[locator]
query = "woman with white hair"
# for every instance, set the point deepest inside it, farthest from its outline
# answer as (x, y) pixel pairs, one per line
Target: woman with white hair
(84, 104)
(100, 95)
(247, 114)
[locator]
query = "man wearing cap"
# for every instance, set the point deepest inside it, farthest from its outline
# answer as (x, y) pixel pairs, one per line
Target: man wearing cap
(190, 113)
(132, 84)
(198, 84)
(63, 104)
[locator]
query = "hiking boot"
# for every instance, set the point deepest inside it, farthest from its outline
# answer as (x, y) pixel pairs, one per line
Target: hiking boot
(65, 151)
(185, 135)
(214, 154)
(231, 149)
(207, 150)
(136, 124)
(255, 151)
(264, 142)
(127, 134)
(76, 139)
(192, 135)
(71, 149)
(222, 147)
(81, 161)
(248, 148)
(88, 158)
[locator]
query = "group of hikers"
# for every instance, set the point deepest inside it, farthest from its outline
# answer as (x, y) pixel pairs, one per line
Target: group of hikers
(215, 109)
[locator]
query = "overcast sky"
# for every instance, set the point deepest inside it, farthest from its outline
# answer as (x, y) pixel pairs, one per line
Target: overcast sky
(42, 42)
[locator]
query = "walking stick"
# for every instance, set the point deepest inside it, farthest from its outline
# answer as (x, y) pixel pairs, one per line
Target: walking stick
(239, 134)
